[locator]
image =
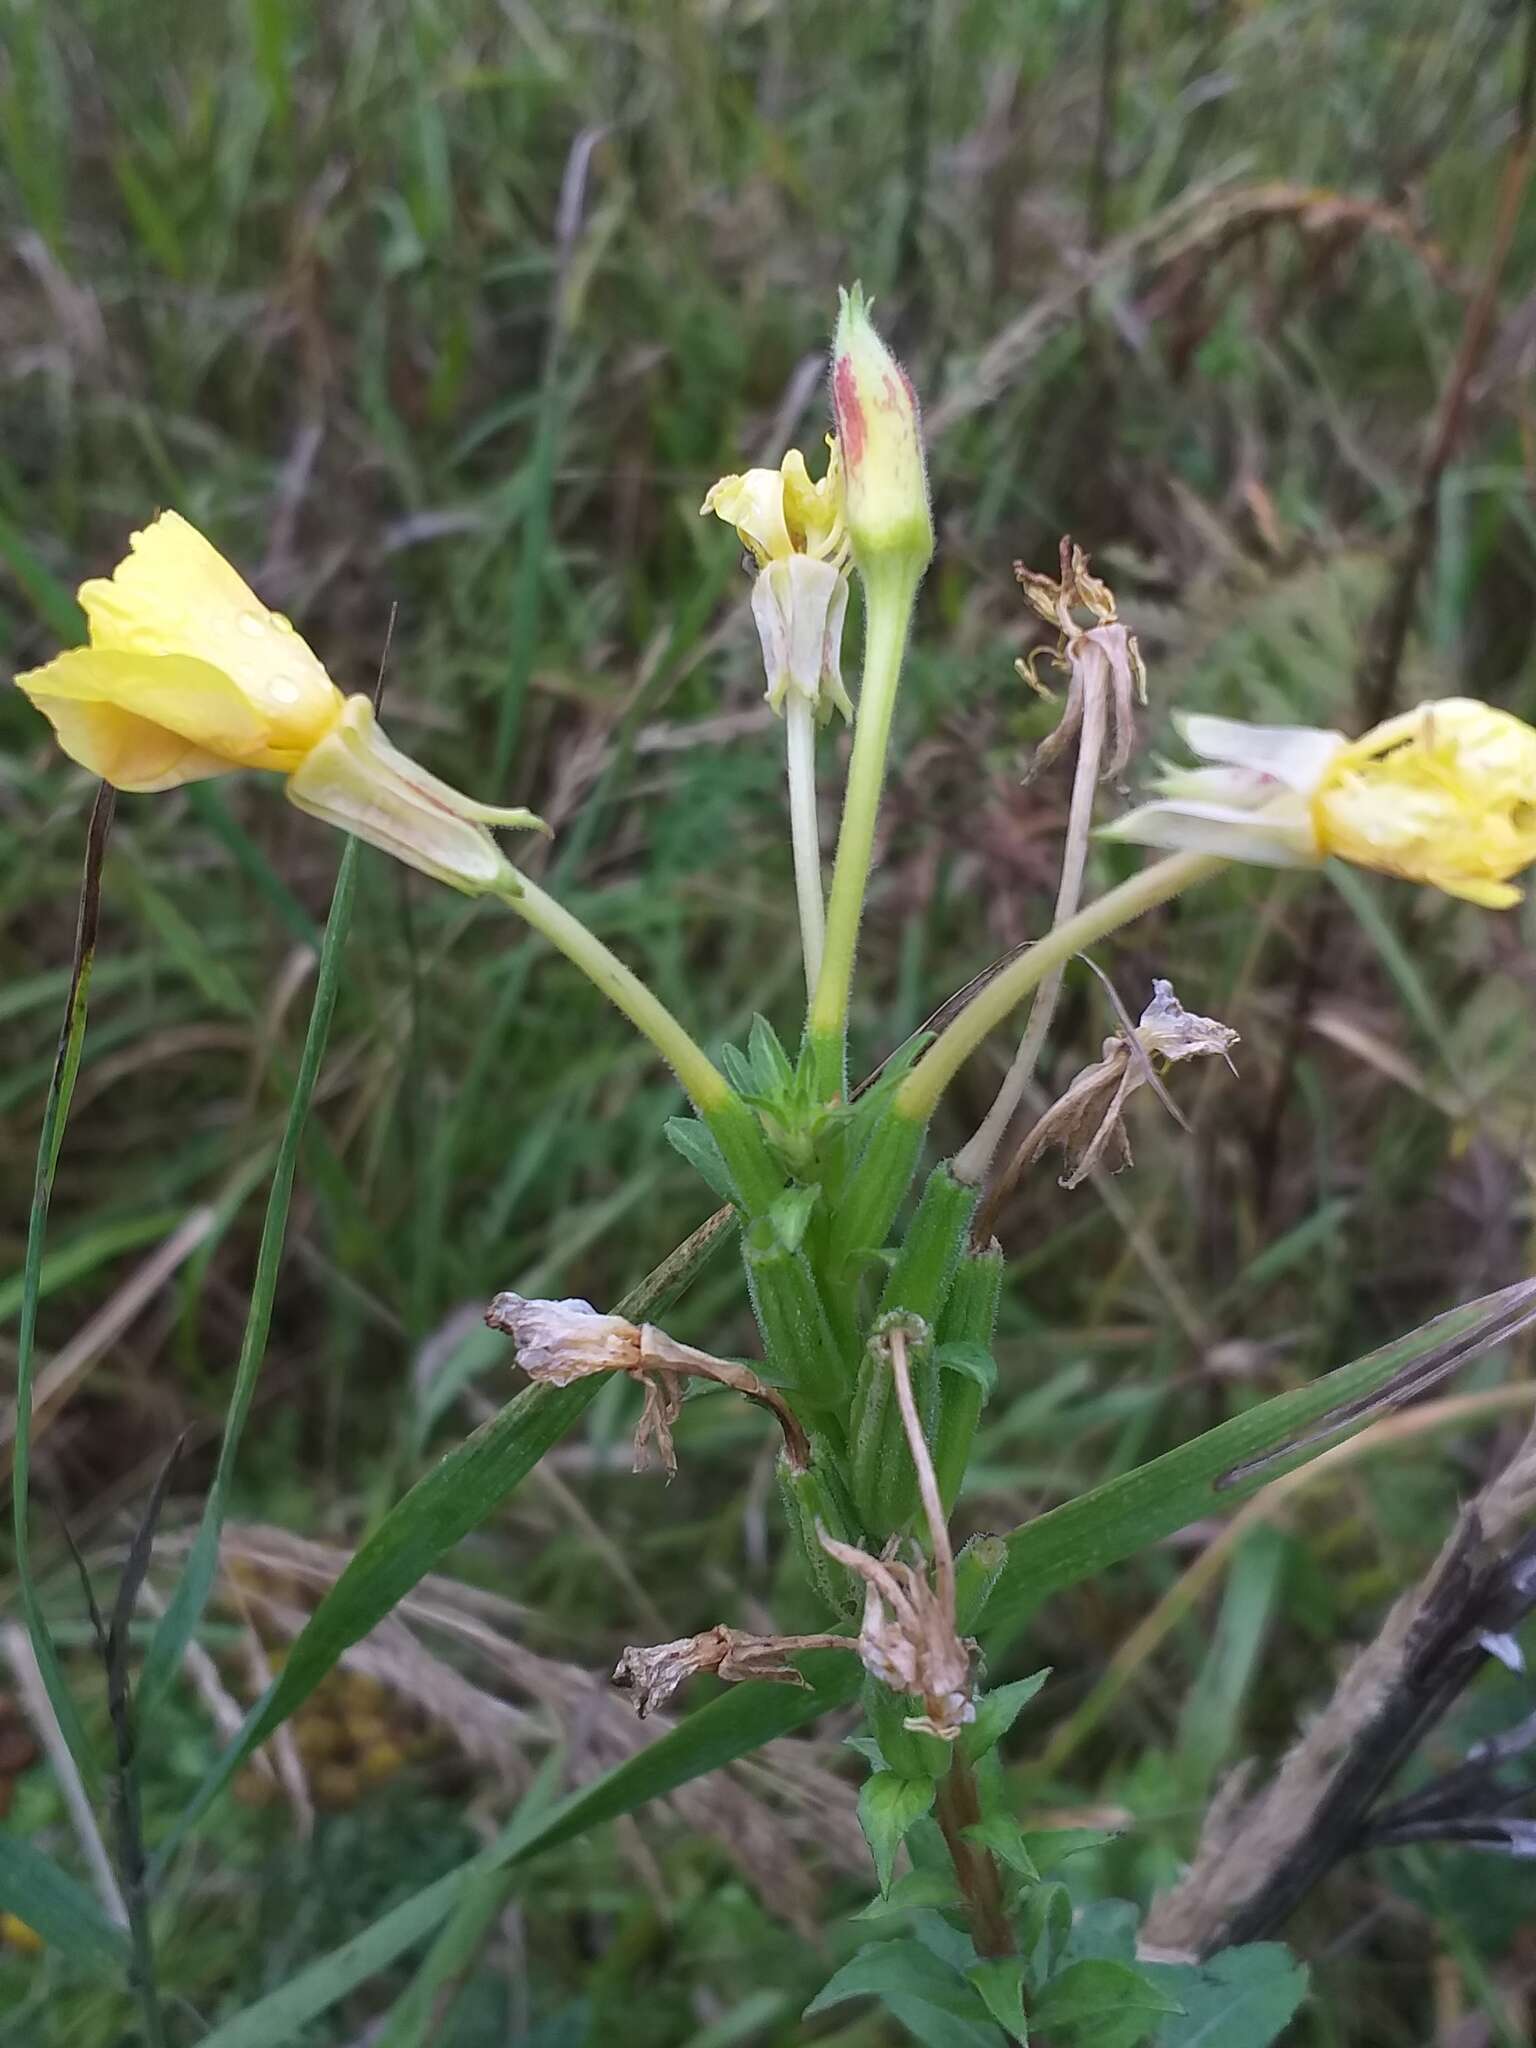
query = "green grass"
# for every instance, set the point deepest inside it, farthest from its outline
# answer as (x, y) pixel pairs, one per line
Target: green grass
(301, 273)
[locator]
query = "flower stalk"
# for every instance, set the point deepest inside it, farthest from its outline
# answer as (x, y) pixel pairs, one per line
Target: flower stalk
(736, 1131)
(890, 590)
(919, 1094)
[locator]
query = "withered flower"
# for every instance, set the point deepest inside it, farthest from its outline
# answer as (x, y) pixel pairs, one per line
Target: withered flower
(562, 1341)
(907, 1639)
(1102, 657)
(1087, 1122)
(654, 1674)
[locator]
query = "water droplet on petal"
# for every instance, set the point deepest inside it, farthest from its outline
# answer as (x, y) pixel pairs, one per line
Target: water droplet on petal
(283, 690)
(253, 623)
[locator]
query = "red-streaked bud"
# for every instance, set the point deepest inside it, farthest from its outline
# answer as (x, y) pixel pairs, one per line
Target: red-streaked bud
(880, 435)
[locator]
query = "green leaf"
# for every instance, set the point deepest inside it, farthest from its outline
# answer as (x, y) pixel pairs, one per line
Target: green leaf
(1232, 1461)
(997, 1711)
(1045, 1926)
(732, 1726)
(1050, 1847)
(185, 1608)
(770, 1062)
(975, 1361)
(888, 1806)
(693, 1138)
(1096, 1990)
(51, 1903)
(1242, 1998)
(1001, 1984)
(1001, 1833)
(929, 1997)
(912, 1892)
(789, 1215)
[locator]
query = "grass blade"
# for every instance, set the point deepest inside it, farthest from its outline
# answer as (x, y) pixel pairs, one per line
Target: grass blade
(186, 1604)
(55, 1116)
(33, 1887)
(1226, 1464)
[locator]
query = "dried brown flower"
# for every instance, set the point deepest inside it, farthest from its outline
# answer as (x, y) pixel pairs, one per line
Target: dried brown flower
(907, 1639)
(561, 1341)
(1087, 1122)
(654, 1674)
(1103, 656)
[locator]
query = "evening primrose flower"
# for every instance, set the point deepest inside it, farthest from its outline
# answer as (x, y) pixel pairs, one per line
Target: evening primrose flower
(189, 675)
(1443, 794)
(795, 532)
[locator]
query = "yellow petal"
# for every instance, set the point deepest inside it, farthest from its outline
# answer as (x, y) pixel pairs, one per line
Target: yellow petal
(813, 512)
(147, 722)
(754, 504)
(174, 594)
(128, 752)
(1444, 794)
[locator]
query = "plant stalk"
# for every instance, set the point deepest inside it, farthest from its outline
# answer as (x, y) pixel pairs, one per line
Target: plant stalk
(805, 836)
(736, 1130)
(888, 600)
(919, 1093)
(973, 1160)
(958, 1807)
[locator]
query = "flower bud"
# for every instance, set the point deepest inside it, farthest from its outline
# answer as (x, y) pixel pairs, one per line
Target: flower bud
(878, 430)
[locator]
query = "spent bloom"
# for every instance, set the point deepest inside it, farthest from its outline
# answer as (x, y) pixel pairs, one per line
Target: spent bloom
(1088, 1120)
(879, 431)
(1103, 657)
(188, 675)
(1443, 794)
(795, 532)
(559, 1342)
(907, 1639)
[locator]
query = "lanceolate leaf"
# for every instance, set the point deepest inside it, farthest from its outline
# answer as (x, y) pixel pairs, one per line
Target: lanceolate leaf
(1228, 1463)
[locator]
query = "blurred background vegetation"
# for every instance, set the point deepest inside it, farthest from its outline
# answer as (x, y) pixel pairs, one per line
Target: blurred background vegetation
(457, 307)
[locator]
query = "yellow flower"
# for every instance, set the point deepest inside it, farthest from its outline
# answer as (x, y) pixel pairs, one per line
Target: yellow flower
(189, 675)
(1444, 794)
(795, 531)
(889, 516)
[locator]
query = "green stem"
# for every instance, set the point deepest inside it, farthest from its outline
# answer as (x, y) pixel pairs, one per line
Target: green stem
(705, 1083)
(919, 1093)
(888, 598)
(736, 1130)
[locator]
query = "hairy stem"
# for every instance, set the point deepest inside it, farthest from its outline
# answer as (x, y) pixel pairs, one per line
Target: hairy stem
(888, 608)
